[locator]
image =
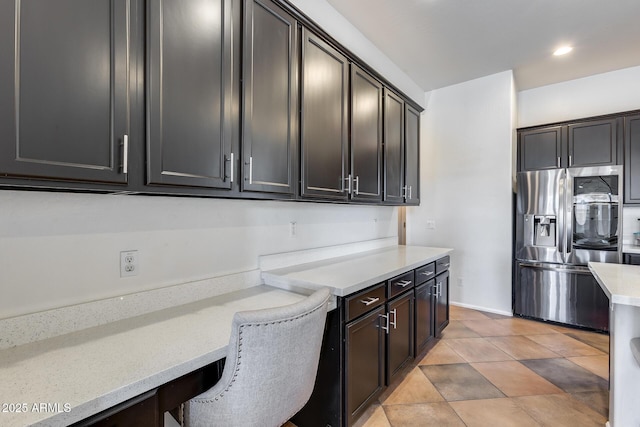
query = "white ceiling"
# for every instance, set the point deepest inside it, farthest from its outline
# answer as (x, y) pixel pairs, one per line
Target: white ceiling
(443, 42)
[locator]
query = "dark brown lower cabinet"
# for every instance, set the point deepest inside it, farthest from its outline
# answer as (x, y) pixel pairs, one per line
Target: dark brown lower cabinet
(400, 338)
(424, 315)
(632, 259)
(441, 305)
(371, 337)
(365, 355)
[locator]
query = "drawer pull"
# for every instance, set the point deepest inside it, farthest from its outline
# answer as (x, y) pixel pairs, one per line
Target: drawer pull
(446, 265)
(403, 283)
(427, 273)
(370, 301)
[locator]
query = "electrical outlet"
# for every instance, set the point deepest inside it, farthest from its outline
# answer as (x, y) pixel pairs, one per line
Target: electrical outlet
(129, 263)
(293, 229)
(460, 284)
(431, 224)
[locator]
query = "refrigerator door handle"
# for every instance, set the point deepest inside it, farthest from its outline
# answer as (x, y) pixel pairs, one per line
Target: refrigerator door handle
(568, 216)
(551, 267)
(562, 229)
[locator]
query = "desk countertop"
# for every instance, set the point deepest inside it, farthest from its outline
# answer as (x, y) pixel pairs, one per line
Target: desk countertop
(348, 274)
(621, 282)
(96, 368)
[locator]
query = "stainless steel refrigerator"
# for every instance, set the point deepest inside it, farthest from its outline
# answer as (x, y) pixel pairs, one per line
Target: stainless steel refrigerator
(564, 219)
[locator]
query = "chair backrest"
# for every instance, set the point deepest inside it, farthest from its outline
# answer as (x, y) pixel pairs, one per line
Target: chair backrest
(270, 368)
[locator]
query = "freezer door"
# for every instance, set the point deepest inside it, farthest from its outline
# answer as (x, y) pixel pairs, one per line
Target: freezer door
(540, 216)
(561, 294)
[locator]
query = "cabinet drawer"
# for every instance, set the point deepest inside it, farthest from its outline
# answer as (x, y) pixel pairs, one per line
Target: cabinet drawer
(399, 284)
(442, 264)
(425, 273)
(365, 301)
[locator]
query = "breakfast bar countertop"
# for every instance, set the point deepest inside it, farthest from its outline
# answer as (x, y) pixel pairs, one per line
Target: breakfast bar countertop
(64, 379)
(620, 282)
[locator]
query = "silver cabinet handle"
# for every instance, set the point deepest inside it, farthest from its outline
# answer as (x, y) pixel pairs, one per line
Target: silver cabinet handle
(395, 318)
(570, 160)
(403, 283)
(446, 265)
(439, 289)
(410, 192)
(230, 160)
(357, 185)
(427, 273)
(250, 170)
(125, 154)
(231, 177)
(370, 301)
(558, 162)
(404, 191)
(385, 328)
(349, 184)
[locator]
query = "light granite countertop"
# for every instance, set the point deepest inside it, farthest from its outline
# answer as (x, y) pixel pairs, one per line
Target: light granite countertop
(93, 369)
(621, 282)
(348, 274)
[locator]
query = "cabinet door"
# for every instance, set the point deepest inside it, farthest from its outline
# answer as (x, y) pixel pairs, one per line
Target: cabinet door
(632, 159)
(400, 348)
(424, 315)
(189, 84)
(64, 97)
(270, 98)
(540, 149)
(366, 136)
(325, 83)
(593, 143)
(393, 148)
(365, 354)
(441, 303)
(412, 155)
(632, 259)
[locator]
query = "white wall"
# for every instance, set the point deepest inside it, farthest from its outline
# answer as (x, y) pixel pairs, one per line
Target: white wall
(58, 249)
(606, 93)
(465, 166)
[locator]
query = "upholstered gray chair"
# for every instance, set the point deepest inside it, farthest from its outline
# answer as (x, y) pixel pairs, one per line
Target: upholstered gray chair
(270, 368)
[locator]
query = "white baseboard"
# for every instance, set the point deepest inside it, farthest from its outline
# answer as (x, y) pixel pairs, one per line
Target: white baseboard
(476, 307)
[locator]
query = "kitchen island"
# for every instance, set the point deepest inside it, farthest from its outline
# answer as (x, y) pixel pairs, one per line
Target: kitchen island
(621, 283)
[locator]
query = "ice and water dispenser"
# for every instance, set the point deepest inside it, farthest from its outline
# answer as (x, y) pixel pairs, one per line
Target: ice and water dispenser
(541, 230)
(544, 230)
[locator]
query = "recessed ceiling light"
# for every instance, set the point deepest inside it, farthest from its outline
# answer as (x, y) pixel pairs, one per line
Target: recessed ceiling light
(563, 50)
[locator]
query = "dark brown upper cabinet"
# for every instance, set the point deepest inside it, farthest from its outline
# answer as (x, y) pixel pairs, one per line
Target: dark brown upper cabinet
(575, 144)
(324, 126)
(270, 108)
(393, 148)
(190, 73)
(366, 137)
(540, 148)
(632, 159)
(64, 90)
(593, 143)
(412, 155)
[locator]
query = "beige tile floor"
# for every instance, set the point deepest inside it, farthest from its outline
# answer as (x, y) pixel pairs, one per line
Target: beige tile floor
(491, 370)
